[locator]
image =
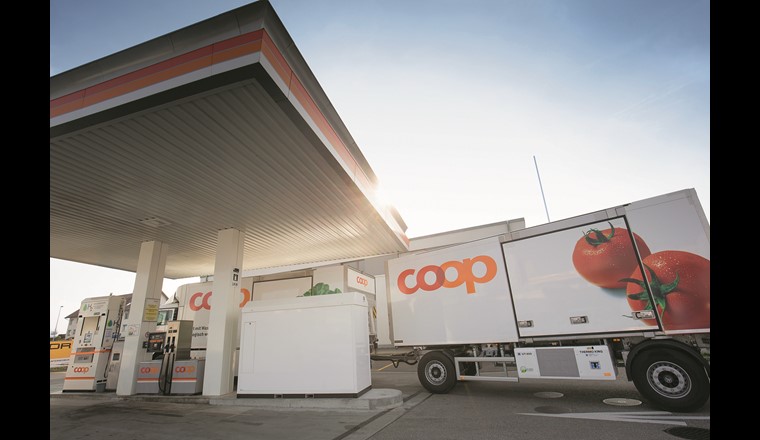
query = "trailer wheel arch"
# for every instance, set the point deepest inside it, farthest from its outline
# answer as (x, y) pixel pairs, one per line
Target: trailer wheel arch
(663, 343)
(449, 352)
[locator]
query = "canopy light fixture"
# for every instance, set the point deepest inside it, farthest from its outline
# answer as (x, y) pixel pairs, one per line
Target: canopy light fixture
(154, 221)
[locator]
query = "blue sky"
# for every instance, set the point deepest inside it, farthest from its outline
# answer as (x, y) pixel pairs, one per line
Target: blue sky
(449, 101)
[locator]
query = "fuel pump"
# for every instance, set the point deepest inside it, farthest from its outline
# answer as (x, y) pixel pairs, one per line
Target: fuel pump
(177, 348)
(171, 355)
(148, 372)
(97, 327)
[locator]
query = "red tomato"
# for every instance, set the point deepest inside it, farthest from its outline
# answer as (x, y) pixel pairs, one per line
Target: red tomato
(680, 283)
(604, 258)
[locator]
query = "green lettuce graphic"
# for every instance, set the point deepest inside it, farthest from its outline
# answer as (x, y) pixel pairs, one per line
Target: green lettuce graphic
(320, 289)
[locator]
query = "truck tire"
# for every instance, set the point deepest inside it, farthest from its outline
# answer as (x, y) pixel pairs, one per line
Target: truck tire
(436, 372)
(670, 379)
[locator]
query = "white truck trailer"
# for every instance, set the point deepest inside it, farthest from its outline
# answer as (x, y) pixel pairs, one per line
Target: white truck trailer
(571, 299)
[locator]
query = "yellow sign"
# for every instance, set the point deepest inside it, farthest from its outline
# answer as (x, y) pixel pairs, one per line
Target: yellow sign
(150, 313)
(60, 352)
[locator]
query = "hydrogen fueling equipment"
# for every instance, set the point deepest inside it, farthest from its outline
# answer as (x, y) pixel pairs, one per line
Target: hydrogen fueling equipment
(97, 326)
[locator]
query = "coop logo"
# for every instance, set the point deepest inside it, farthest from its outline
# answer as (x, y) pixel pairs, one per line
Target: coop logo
(81, 369)
(463, 270)
(199, 300)
(362, 281)
(184, 369)
(147, 370)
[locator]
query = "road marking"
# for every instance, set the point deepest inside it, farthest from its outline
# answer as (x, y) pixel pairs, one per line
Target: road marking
(381, 369)
(662, 417)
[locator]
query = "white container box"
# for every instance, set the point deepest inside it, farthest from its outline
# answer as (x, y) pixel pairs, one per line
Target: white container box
(315, 346)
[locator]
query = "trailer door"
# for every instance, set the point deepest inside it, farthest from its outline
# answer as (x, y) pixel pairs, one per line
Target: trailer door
(556, 293)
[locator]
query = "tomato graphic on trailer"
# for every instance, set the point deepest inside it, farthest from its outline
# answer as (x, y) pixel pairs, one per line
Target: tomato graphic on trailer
(678, 270)
(569, 281)
(605, 257)
(680, 284)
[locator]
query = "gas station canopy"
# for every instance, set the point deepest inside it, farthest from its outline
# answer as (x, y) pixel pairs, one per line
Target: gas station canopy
(218, 125)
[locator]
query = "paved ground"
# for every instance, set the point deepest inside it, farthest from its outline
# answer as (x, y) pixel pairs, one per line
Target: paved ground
(528, 410)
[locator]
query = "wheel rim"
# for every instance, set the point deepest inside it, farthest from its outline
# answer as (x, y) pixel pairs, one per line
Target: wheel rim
(435, 373)
(669, 379)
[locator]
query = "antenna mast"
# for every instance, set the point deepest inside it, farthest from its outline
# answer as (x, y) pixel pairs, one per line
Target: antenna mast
(542, 189)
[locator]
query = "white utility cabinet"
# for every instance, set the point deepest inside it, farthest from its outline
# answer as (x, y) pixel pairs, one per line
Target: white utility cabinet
(313, 346)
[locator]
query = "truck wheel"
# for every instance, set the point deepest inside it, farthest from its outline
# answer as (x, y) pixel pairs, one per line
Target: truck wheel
(436, 372)
(671, 380)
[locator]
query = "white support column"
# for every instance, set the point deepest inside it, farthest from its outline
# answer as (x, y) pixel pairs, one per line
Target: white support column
(149, 280)
(218, 378)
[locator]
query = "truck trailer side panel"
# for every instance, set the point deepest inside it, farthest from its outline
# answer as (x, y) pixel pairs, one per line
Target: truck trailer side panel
(552, 297)
(454, 295)
(588, 278)
(676, 231)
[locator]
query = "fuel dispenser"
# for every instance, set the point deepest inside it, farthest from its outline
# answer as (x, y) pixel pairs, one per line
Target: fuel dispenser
(114, 365)
(97, 326)
(173, 372)
(149, 371)
(184, 375)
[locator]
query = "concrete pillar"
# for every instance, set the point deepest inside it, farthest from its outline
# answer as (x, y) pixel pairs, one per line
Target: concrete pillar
(218, 378)
(149, 280)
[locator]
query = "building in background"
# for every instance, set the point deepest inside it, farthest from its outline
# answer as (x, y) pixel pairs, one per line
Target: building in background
(71, 328)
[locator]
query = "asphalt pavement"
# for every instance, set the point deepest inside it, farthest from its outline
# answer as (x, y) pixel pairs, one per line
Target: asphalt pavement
(529, 409)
